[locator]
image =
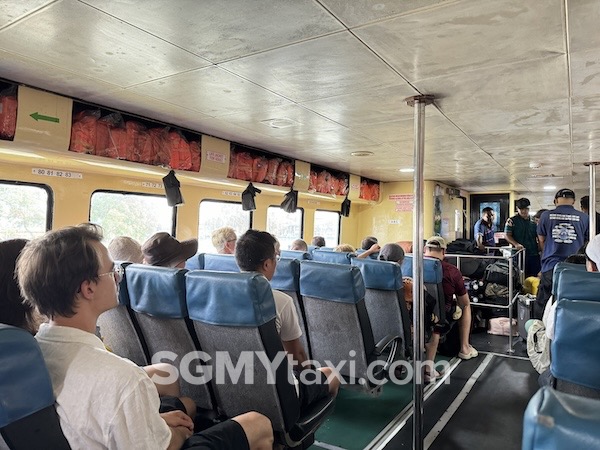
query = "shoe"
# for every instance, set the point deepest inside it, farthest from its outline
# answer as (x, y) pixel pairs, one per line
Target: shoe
(431, 378)
(472, 353)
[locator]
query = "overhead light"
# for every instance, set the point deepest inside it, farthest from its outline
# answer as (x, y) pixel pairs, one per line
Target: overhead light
(279, 123)
(361, 153)
(407, 170)
(535, 165)
(549, 187)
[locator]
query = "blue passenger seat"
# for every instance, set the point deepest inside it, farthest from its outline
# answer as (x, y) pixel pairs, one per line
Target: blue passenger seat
(28, 419)
(384, 299)
(158, 299)
(295, 254)
(556, 421)
(332, 257)
(119, 328)
(235, 313)
(576, 284)
(221, 263)
(338, 323)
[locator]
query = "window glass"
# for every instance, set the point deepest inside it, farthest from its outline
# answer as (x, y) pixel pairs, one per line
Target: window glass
(327, 224)
(286, 227)
(25, 210)
(138, 216)
(215, 214)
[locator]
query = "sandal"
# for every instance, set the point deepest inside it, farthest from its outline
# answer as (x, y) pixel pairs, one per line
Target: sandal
(472, 353)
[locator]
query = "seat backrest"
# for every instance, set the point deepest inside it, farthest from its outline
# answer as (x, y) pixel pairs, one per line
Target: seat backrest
(575, 351)
(332, 257)
(576, 283)
(27, 415)
(158, 300)
(432, 280)
(287, 279)
(336, 315)
(295, 254)
(384, 299)
(221, 263)
(556, 420)
(196, 262)
(119, 329)
(235, 313)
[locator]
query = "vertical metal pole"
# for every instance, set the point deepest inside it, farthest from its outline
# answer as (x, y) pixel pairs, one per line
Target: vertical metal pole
(511, 288)
(592, 210)
(418, 102)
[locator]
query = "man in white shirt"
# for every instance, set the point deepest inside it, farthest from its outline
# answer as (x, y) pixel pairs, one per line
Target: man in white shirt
(103, 400)
(258, 251)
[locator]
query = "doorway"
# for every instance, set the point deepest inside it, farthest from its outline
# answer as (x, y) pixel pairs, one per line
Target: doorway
(498, 202)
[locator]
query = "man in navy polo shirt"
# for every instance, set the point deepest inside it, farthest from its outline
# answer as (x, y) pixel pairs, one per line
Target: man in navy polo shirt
(561, 232)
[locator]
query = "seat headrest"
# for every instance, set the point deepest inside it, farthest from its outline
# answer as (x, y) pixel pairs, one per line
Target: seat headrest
(196, 262)
(157, 291)
(575, 350)
(287, 275)
(331, 257)
(24, 380)
(123, 293)
(432, 269)
(337, 282)
(384, 275)
(295, 254)
(229, 299)
(575, 283)
(556, 419)
(221, 263)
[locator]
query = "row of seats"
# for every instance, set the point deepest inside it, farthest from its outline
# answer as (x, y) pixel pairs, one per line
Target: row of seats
(566, 415)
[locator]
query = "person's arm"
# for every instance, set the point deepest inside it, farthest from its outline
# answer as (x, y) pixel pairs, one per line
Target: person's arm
(541, 241)
(181, 426)
(511, 240)
(296, 350)
(374, 249)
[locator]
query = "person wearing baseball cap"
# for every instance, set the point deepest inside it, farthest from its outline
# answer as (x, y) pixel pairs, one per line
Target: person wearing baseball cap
(453, 284)
(164, 250)
(561, 232)
(521, 233)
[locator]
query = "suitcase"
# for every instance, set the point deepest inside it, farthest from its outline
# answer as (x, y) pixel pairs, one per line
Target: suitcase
(524, 312)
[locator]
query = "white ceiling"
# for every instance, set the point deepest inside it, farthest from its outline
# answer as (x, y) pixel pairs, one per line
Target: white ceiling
(516, 82)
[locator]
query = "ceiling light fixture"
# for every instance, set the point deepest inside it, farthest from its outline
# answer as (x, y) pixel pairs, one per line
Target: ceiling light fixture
(549, 187)
(361, 153)
(279, 123)
(407, 170)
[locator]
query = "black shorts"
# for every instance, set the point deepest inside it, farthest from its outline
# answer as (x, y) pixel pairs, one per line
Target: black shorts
(312, 386)
(168, 403)
(228, 435)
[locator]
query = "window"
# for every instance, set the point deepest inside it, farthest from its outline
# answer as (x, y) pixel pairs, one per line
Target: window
(215, 214)
(327, 224)
(286, 227)
(25, 210)
(138, 216)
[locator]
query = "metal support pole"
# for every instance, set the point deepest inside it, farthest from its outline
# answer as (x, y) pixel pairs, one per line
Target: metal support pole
(418, 102)
(592, 210)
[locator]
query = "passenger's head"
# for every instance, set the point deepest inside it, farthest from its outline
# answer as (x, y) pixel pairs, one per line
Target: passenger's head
(564, 197)
(124, 248)
(318, 241)
(487, 214)
(224, 239)
(592, 252)
(68, 269)
(164, 250)
(13, 310)
(523, 207)
(368, 242)
(344, 248)
(538, 214)
(585, 203)
(299, 245)
(391, 252)
(435, 247)
(577, 258)
(257, 251)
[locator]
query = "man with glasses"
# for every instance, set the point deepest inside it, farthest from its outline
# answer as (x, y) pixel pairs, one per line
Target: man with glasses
(258, 251)
(103, 400)
(224, 240)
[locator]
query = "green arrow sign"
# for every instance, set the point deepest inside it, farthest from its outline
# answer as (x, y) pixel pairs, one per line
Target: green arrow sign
(36, 116)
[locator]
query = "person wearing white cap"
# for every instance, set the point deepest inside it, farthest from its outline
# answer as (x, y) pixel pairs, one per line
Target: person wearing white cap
(561, 232)
(453, 284)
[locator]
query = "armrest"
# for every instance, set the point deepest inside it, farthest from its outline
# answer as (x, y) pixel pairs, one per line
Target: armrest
(384, 343)
(310, 420)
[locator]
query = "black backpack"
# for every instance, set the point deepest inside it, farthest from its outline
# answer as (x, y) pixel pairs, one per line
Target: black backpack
(498, 272)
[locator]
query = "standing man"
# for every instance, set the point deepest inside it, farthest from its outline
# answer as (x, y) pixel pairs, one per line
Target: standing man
(585, 207)
(484, 229)
(561, 232)
(521, 233)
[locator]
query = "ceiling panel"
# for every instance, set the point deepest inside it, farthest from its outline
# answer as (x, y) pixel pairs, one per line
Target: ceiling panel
(12, 11)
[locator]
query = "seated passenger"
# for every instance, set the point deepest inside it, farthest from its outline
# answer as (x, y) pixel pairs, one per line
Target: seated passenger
(318, 241)
(102, 400)
(453, 284)
(299, 245)
(368, 242)
(224, 239)
(391, 252)
(164, 250)
(13, 310)
(344, 248)
(124, 248)
(258, 251)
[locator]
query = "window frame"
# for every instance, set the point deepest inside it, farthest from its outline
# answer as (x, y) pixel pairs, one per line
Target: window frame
(49, 203)
(339, 225)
